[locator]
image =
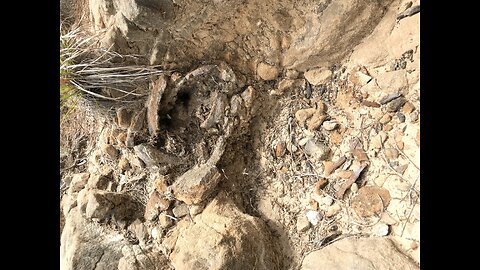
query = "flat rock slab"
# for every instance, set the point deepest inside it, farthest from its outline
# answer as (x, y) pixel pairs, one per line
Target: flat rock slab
(359, 254)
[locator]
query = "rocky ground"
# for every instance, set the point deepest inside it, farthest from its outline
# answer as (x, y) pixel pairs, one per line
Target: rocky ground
(286, 137)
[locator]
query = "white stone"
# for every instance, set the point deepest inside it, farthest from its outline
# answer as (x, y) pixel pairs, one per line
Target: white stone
(330, 125)
(313, 217)
(380, 229)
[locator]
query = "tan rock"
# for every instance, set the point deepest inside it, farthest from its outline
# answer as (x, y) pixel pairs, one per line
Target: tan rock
(370, 201)
(316, 121)
(180, 210)
(291, 74)
(155, 205)
(156, 91)
(359, 78)
(161, 184)
(121, 138)
(388, 127)
(280, 149)
(408, 107)
(359, 253)
(164, 221)
(391, 153)
(78, 182)
(385, 119)
(330, 125)
(345, 174)
(321, 183)
(197, 183)
(332, 210)
(336, 138)
(285, 84)
(124, 117)
(110, 151)
(267, 72)
(123, 164)
(304, 114)
(98, 181)
(318, 76)
(328, 167)
(223, 237)
(302, 223)
(360, 154)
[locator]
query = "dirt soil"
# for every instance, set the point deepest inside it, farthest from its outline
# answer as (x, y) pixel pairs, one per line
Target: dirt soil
(321, 149)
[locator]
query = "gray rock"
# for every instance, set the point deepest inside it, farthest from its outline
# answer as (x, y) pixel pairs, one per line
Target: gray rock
(359, 253)
(180, 210)
(140, 231)
(86, 245)
(152, 156)
(396, 104)
(223, 237)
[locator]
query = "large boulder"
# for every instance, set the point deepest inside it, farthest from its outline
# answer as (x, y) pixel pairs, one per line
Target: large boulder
(261, 33)
(223, 237)
(359, 254)
(86, 245)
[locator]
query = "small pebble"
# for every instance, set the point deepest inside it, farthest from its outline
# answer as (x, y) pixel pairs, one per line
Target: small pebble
(385, 119)
(414, 116)
(196, 209)
(321, 183)
(387, 127)
(313, 205)
(408, 108)
(391, 153)
(164, 221)
(316, 121)
(180, 210)
(401, 117)
(327, 201)
(328, 167)
(396, 104)
(280, 149)
(333, 210)
(354, 188)
(313, 217)
(303, 141)
(302, 223)
(380, 229)
(330, 125)
(414, 245)
(155, 233)
(344, 174)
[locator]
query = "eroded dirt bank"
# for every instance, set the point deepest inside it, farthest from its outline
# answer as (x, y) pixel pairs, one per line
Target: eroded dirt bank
(281, 135)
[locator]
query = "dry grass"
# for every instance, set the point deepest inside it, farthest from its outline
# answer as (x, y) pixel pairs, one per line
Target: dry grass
(96, 71)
